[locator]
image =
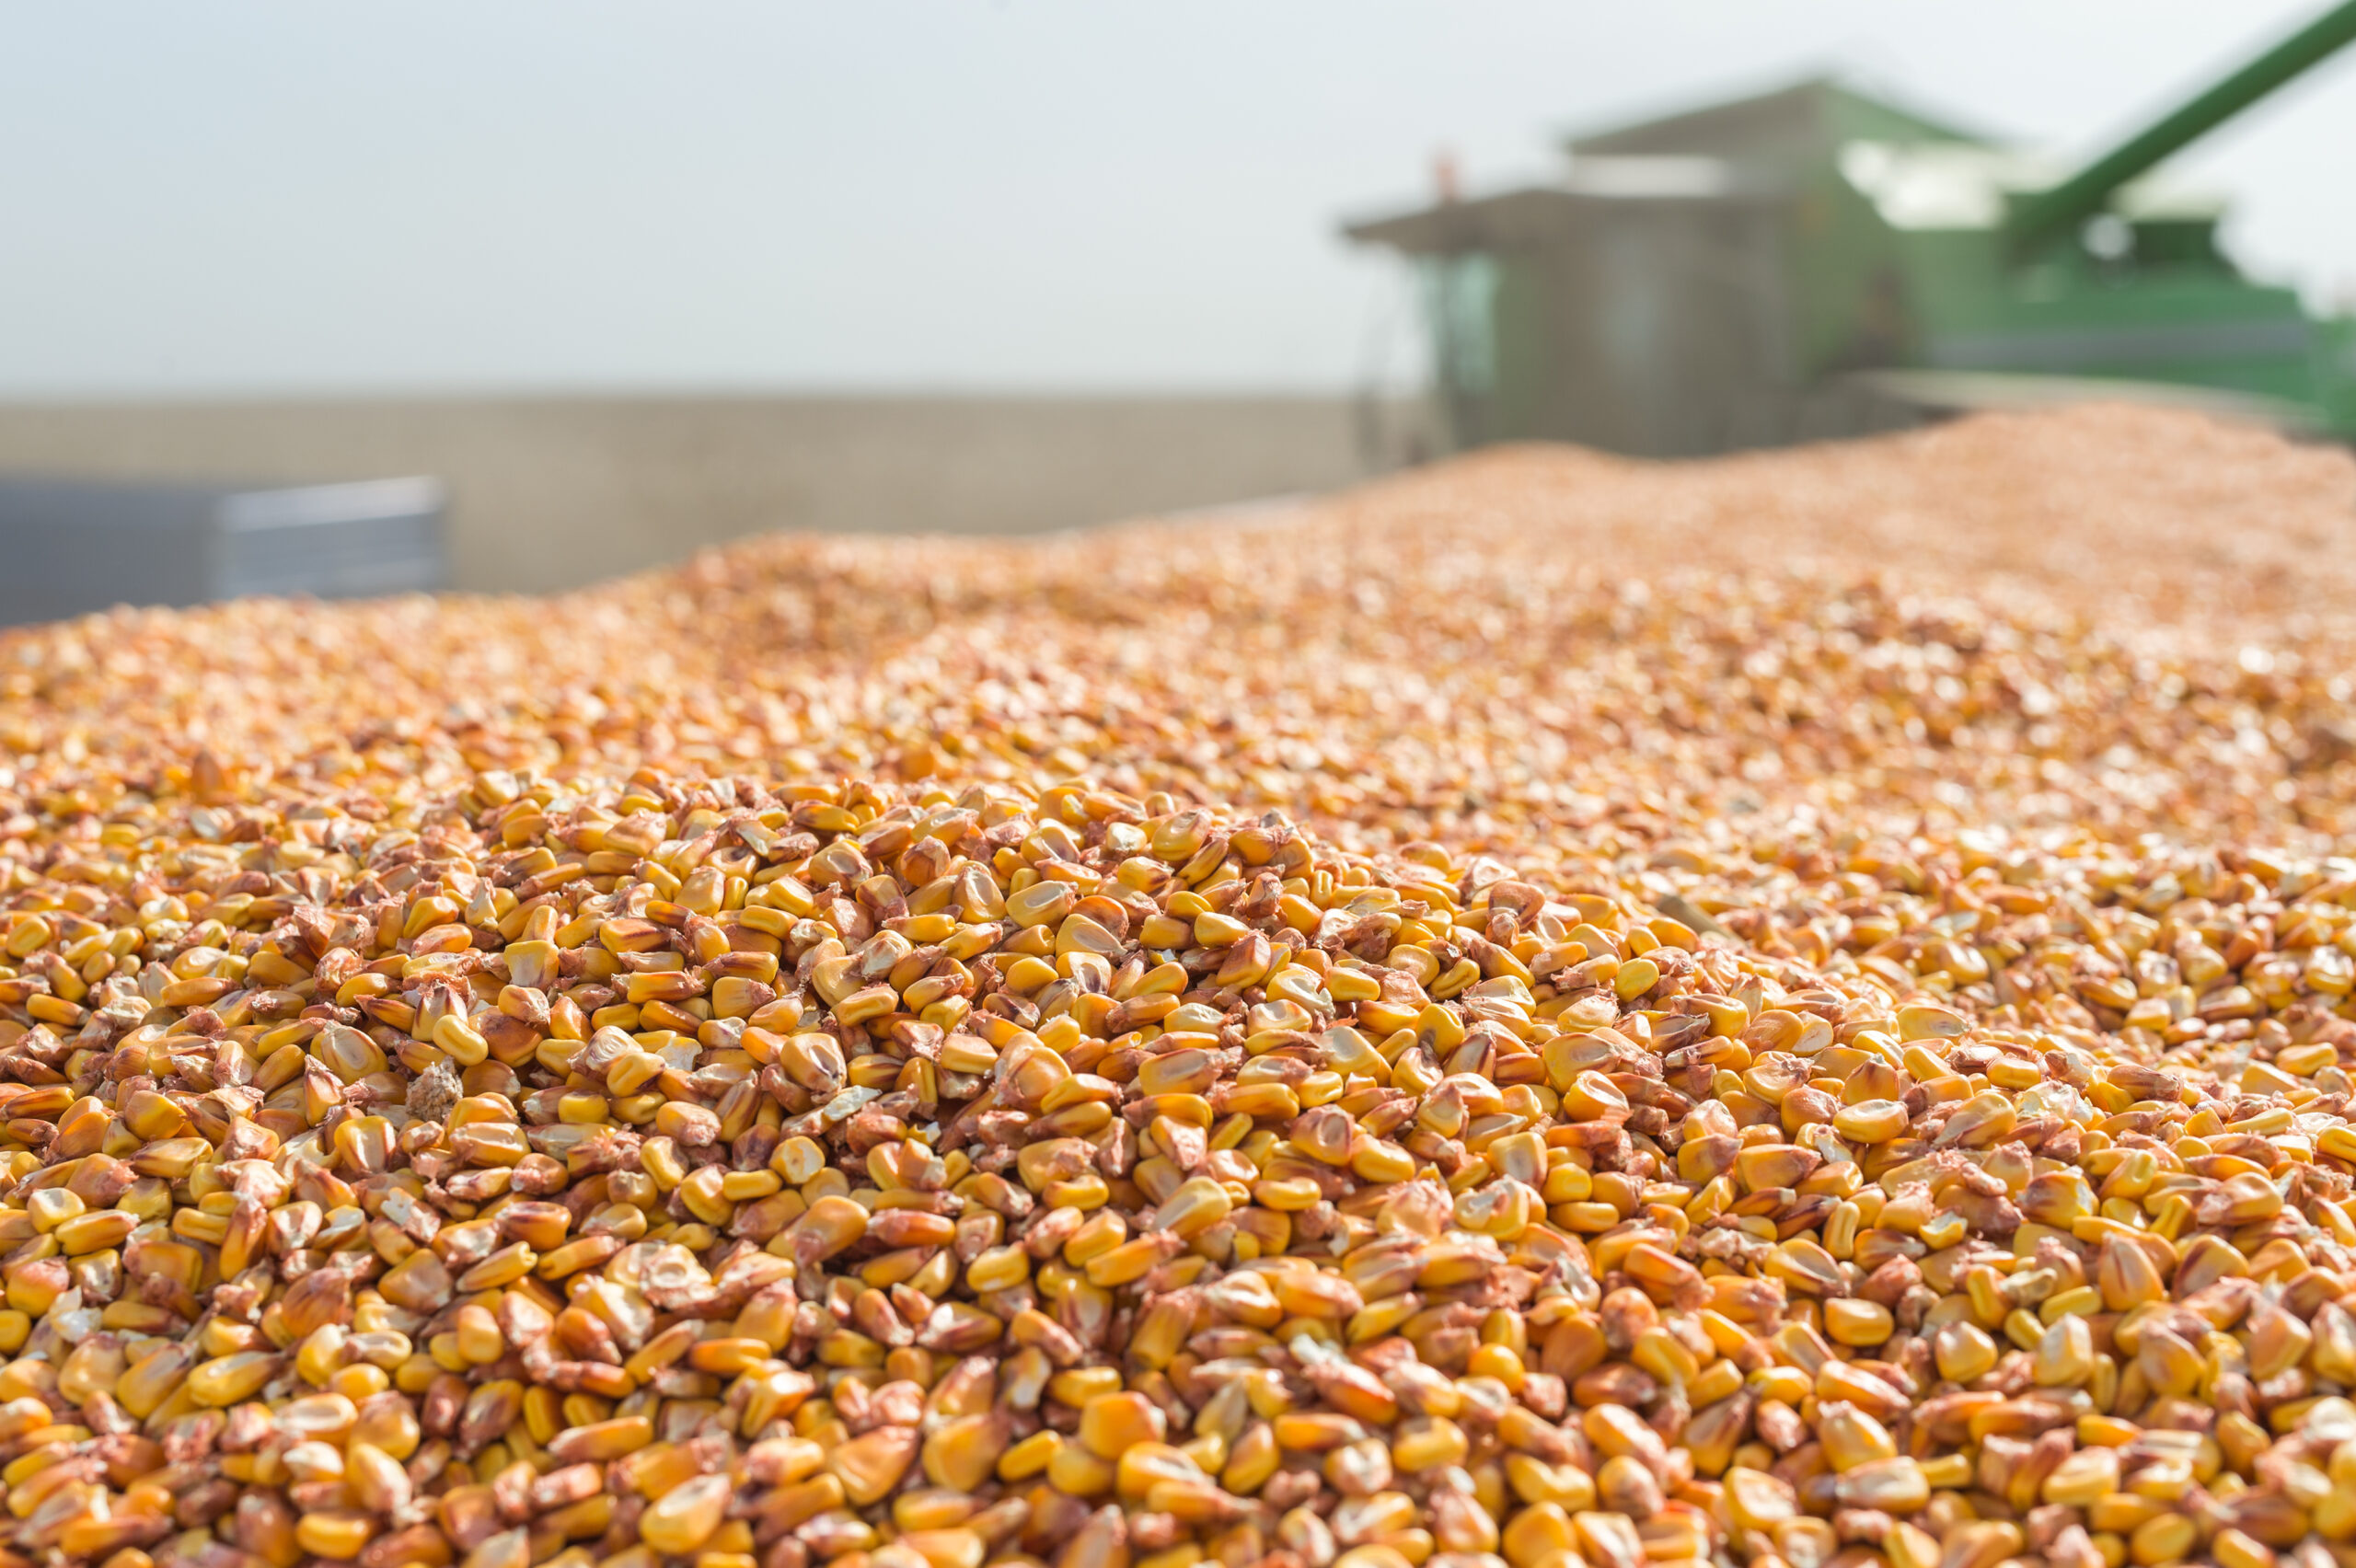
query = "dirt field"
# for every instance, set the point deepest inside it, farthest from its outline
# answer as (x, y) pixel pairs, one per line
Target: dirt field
(553, 493)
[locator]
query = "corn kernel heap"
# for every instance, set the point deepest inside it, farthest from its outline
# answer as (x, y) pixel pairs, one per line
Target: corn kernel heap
(1336, 1045)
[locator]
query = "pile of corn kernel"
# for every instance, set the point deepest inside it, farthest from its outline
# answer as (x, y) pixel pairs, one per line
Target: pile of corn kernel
(1437, 1029)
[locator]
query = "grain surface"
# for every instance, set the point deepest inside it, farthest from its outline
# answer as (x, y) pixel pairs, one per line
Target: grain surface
(1548, 1013)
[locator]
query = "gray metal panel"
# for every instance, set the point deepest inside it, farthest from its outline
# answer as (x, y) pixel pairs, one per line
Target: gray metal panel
(69, 548)
(335, 541)
(1659, 332)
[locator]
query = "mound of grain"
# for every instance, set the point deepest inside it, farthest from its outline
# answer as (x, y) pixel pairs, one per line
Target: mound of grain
(1552, 1011)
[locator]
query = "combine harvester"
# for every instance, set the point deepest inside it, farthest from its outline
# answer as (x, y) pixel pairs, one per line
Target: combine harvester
(1817, 263)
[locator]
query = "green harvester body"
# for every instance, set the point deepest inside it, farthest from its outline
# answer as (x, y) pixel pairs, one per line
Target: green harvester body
(1817, 263)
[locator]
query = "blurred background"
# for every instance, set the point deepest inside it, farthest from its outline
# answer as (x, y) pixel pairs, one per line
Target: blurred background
(620, 281)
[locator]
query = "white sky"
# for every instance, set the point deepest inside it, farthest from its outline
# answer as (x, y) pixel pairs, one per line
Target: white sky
(236, 196)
